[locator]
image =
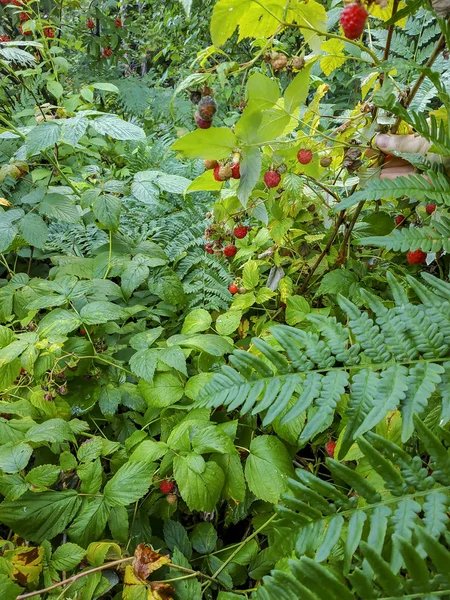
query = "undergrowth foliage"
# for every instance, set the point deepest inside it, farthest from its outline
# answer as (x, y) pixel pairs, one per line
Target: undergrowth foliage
(224, 310)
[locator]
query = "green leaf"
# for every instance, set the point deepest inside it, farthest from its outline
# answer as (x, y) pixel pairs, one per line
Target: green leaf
(173, 357)
(133, 275)
(55, 88)
(14, 457)
(212, 439)
(107, 209)
(118, 523)
(165, 390)
(60, 208)
(149, 450)
(67, 557)
(105, 87)
(53, 430)
(250, 171)
(41, 137)
(129, 484)
(43, 476)
(297, 308)
(234, 487)
(109, 400)
(116, 128)
(47, 514)
(100, 311)
(267, 468)
(33, 230)
(143, 364)
(204, 538)
(208, 342)
(9, 589)
(200, 491)
(214, 143)
(176, 537)
(197, 320)
(228, 322)
(90, 522)
(262, 93)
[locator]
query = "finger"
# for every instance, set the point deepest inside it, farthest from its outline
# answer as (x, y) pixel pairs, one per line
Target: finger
(395, 162)
(398, 172)
(402, 143)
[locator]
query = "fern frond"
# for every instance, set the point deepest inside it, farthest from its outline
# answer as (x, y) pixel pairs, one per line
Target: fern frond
(430, 238)
(395, 362)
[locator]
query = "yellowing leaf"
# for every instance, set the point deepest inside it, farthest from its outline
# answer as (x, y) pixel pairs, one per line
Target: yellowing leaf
(313, 15)
(4, 202)
(386, 13)
(367, 83)
(335, 57)
(26, 562)
(261, 21)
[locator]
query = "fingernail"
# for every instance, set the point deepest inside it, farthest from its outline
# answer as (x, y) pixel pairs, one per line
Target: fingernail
(383, 141)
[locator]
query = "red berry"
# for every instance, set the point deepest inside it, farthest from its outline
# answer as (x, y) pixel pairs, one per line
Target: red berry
(416, 257)
(430, 209)
(4, 38)
(166, 486)
(216, 172)
(49, 32)
(230, 250)
(90, 23)
(17, 2)
(353, 20)
(399, 219)
(233, 289)
(82, 331)
(272, 179)
(22, 371)
(118, 22)
(304, 156)
(240, 232)
(202, 123)
(4, 1)
(236, 170)
(330, 447)
(27, 32)
(23, 16)
(209, 249)
(106, 52)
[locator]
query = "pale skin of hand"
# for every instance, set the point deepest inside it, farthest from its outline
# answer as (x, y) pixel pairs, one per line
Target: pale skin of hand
(413, 144)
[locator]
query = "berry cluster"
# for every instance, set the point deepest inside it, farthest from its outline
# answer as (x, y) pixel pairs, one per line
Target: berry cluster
(4, 38)
(90, 23)
(225, 171)
(279, 61)
(49, 32)
(106, 52)
(206, 109)
(217, 236)
(118, 22)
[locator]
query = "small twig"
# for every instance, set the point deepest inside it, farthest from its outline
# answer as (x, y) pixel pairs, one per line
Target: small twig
(390, 31)
(75, 578)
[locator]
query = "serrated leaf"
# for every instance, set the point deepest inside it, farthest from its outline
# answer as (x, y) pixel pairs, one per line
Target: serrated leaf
(129, 484)
(116, 128)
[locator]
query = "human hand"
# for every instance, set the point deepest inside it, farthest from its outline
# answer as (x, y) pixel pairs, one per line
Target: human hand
(395, 166)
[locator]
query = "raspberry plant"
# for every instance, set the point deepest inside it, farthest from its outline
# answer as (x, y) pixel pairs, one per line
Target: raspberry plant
(230, 378)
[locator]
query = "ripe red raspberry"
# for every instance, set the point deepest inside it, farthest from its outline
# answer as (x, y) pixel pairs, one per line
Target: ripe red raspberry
(240, 232)
(4, 38)
(330, 447)
(230, 250)
(272, 179)
(23, 16)
(233, 289)
(202, 123)
(4, 1)
(416, 257)
(209, 249)
(49, 32)
(207, 108)
(216, 172)
(236, 170)
(166, 486)
(353, 19)
(82, 331)
(118, 22)
(430, 209)
(106, 52)
(90, 23)
(304, 156)
(399, 219)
